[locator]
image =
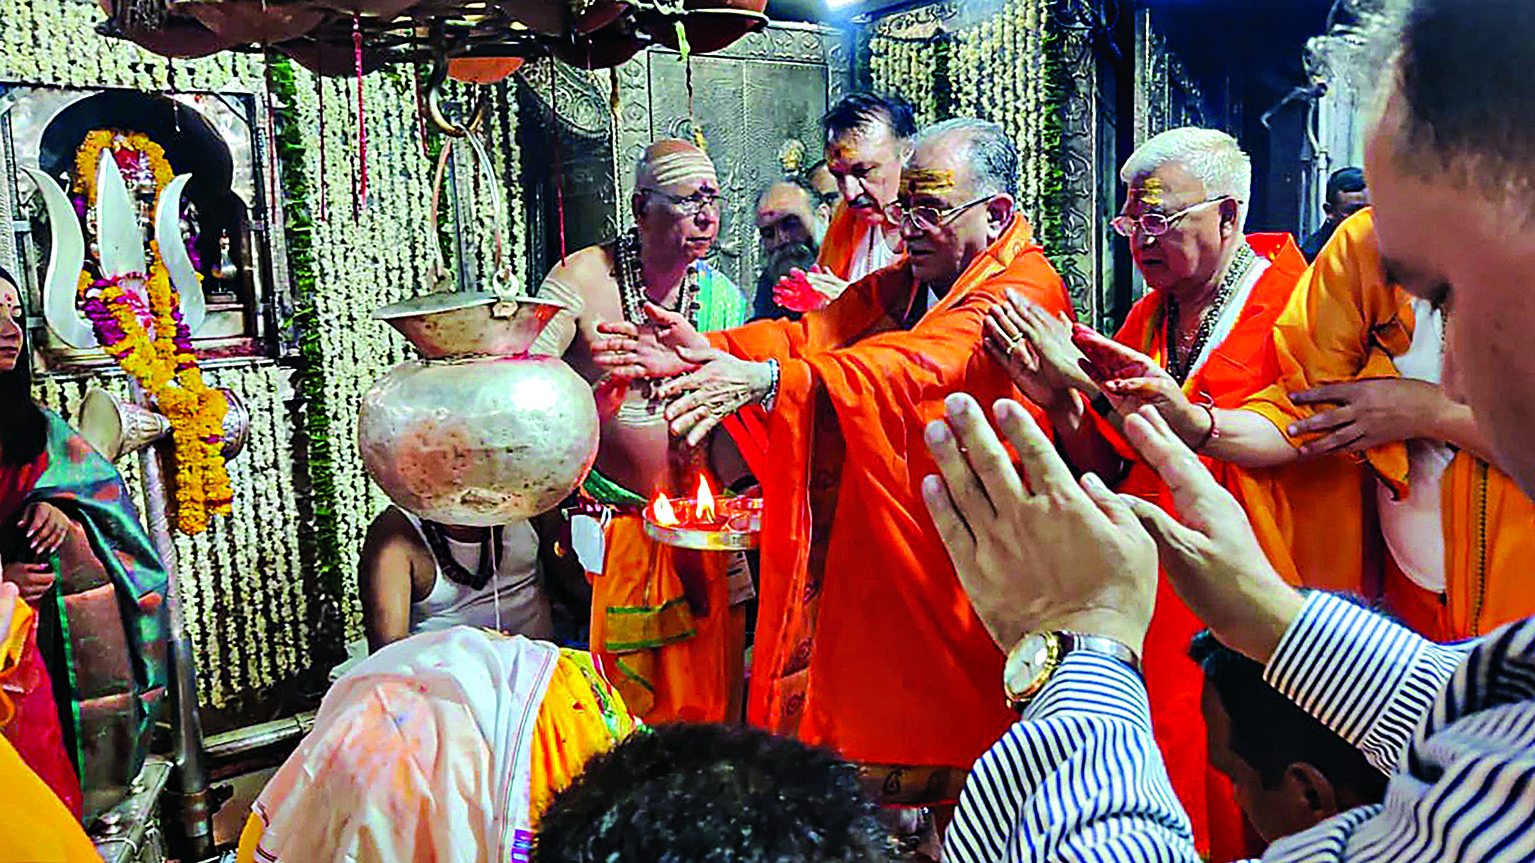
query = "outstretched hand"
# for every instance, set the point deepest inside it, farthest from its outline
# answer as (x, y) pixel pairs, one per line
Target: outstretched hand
(721, 385)
(1210, 552)
(1131, 381)
(1035, 348)
(650, 350)
(808, 290)
(1036, 550)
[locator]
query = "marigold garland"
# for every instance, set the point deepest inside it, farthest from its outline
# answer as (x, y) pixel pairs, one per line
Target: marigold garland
(165, 364)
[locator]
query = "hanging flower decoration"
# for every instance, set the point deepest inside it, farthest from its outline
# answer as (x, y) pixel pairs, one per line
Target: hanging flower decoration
(1004, 68)
(137, 320)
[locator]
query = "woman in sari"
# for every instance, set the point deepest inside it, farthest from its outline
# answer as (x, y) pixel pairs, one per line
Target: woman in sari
(82, 664)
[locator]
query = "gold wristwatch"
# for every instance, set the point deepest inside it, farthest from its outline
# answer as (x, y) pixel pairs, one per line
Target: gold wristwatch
(1033, 661)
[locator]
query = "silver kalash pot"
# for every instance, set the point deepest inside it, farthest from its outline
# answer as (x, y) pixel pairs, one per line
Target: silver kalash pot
(477, 431)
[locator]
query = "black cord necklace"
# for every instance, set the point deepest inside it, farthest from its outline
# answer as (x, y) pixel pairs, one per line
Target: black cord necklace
(631, 284)
(490, 555)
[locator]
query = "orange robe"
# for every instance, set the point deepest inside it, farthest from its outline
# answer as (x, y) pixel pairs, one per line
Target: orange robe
(34, 825)
(844, 237)
(661, 627)
(866, 642)
(1292, 512)
(1344, 323)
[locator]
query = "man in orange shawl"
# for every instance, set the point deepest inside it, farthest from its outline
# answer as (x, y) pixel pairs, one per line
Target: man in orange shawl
(1215, 295)
(866, 642)
(1362, 358)
(868, 137)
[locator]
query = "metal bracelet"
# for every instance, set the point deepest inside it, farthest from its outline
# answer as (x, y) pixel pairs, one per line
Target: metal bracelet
(772, 393)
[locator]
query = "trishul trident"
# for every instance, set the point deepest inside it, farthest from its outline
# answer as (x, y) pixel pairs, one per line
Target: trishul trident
(121, 245)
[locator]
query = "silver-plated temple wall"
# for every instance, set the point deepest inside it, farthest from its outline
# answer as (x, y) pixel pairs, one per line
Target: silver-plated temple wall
(747, 99)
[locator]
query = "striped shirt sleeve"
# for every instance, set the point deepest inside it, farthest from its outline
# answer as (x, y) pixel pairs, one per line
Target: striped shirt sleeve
(1368, 679)
(1078, 778)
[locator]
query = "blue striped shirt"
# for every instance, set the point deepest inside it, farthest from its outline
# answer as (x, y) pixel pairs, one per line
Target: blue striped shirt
(1079, 777)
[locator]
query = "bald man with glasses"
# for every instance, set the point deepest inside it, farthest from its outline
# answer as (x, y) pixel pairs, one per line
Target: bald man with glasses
(670, 623)
(1198, 347)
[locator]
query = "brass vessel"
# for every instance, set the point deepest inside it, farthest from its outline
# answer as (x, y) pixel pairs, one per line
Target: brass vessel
(476, 432)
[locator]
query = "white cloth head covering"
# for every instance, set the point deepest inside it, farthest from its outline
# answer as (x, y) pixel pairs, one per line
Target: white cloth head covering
(421, 752)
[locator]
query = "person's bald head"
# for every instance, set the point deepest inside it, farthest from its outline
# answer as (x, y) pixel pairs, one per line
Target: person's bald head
(676, 199)
(787, 215)
(673, 162)
(1451, 168)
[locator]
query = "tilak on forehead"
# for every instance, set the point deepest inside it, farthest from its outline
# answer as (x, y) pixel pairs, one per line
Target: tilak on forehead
(1149, 192)
(673, 163)
(927, 181)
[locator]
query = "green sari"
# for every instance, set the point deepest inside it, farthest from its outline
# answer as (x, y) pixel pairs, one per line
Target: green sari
(107, 657)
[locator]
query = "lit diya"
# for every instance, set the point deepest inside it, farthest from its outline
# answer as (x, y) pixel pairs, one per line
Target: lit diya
(705, 522)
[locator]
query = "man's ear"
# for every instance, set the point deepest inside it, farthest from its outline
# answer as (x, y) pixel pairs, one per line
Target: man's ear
(999, 214)
(1327, 208)
(1311, 789)
(1229, 211)
(637, 205)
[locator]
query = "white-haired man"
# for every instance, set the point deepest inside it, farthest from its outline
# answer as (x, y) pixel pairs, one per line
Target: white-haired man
(665, 669)
(1201, 336)
(863, 642)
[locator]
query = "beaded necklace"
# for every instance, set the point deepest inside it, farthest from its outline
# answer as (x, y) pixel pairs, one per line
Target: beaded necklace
(490, 555)
(631, 282)
(1241, 263)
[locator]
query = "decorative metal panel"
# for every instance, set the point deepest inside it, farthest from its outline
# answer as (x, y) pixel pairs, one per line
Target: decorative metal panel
(747, 100)
(1085, 258)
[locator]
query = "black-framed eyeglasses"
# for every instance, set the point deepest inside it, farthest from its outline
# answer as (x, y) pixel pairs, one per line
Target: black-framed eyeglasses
(927, 218)
(690, 205)
(1156, 224)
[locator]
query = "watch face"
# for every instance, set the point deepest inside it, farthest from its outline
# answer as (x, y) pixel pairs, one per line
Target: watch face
(1027, 662)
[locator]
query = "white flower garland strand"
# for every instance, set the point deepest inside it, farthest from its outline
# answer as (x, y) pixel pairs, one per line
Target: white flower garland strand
(997, 73)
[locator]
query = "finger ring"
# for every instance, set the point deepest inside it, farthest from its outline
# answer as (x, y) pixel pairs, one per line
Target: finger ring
(1014, 343)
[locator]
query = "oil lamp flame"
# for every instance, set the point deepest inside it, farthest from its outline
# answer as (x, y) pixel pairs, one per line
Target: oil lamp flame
(703, 507)
(661, 508)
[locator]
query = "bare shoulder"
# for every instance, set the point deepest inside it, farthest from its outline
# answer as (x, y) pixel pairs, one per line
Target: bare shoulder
(391, 534)
(585, 270)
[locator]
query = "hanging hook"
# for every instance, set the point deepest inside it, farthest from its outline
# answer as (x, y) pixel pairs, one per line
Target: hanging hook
(434, 88)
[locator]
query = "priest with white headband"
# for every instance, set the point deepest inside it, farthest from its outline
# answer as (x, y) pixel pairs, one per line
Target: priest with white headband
(665, 622)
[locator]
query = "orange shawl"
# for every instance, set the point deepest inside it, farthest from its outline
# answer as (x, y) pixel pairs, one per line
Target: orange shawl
(866, 641)
(1345, 323)
(843, 237)
(1307, 516)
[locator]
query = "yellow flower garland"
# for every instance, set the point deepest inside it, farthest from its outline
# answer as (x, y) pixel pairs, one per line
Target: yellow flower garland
(167, 370)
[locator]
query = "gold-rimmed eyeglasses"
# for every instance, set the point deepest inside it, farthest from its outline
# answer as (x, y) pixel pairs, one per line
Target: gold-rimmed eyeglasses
(927, 218)
(1156, 224)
